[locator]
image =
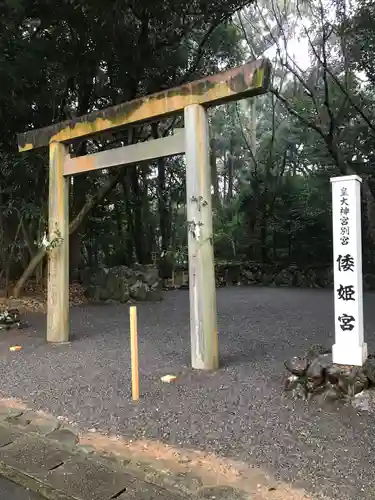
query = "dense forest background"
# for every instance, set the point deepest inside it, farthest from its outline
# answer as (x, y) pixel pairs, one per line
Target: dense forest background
(271, 157)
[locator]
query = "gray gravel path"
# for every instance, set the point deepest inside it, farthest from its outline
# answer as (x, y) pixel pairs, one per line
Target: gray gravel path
(238, 411)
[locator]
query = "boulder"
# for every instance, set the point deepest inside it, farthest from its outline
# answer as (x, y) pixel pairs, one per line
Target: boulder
(310, 279)
(233, 275)
(369, 281)
(139, 291)
(92, 292)
(291, 383)
(316, 372)
(154, 295)
(119, 283)
(297, 278)
(369, 370)
(364, 401)
(10, 318)
(300, 392)
(284, 278)
(315, 350)
(323, 379)
(324, 277)
(99, 276)
(296, 365)
(319, 365)
(248, 277)
(150, 275)
(267, 279)
(333, 374)
(352, 380)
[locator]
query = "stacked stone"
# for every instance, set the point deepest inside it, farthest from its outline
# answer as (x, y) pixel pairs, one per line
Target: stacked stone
(316, 374)
(122, 283)
(10, 318)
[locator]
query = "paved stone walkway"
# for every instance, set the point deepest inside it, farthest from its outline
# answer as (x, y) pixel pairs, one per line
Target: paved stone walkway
(10, 490)
(46, 460)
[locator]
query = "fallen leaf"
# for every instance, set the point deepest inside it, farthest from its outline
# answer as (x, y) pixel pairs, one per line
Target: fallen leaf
(168, 378)
(15, 348)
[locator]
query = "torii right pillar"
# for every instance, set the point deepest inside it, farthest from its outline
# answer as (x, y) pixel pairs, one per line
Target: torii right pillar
(202, 289)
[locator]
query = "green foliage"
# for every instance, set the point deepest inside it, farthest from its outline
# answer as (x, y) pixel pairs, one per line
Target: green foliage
(270, 163)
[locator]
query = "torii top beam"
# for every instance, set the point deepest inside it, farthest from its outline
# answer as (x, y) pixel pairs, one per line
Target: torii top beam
(248, 80)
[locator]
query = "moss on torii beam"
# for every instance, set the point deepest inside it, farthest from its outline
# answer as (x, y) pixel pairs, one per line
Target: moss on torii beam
(248, 80)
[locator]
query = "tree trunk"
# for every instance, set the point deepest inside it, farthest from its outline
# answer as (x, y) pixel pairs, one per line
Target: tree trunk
(75, 255)
(230, 176)
(263, 240)
(274, 246)
(214, 177)
(74, 225)
(140, 236)
(125, 182)
(163, 212)
(146, 214)
(370, 208)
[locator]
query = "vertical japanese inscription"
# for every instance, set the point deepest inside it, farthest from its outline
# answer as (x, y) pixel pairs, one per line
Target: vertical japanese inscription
(344, 216)
(345, 262)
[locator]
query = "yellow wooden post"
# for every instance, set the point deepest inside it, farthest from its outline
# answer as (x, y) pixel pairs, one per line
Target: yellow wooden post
(58, 261)
(134, 352)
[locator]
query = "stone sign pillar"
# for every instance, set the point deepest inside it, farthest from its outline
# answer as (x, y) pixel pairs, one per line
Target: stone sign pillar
(349, 347)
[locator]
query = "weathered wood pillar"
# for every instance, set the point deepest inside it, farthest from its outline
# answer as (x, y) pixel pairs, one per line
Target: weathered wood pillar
(202, 291)
(58, 258)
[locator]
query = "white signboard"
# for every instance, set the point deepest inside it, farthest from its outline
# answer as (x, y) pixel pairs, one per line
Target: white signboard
(349, 347)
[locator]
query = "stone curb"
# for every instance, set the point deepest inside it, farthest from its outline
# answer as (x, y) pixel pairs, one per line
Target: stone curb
(25, 433)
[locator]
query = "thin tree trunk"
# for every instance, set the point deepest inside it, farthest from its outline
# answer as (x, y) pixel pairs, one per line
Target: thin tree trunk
(263, 239)
(230, 174)
(214, 176)
(163, 212)
(253, 128)
(74, 225)
(125, 181)
(370, 208)
(140, 237)
(146, 214)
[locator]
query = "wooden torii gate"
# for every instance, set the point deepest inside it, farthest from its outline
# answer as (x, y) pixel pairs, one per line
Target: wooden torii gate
(193, 99)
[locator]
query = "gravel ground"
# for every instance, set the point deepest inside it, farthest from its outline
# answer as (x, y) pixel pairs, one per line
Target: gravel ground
(238, 411)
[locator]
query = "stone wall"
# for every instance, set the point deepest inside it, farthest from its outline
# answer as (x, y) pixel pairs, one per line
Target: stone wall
(250, 273)
(122, 283)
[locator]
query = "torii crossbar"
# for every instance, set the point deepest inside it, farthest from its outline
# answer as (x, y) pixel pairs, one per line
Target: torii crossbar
(192, 99)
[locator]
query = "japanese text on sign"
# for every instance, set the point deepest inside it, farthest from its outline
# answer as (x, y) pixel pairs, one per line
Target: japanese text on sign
(345, 263)
(346, 322)
(344, 216)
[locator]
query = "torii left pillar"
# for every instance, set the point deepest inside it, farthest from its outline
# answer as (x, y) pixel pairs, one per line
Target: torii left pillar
(58, 257)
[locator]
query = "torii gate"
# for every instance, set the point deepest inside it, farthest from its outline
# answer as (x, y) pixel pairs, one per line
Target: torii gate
(193, 99)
